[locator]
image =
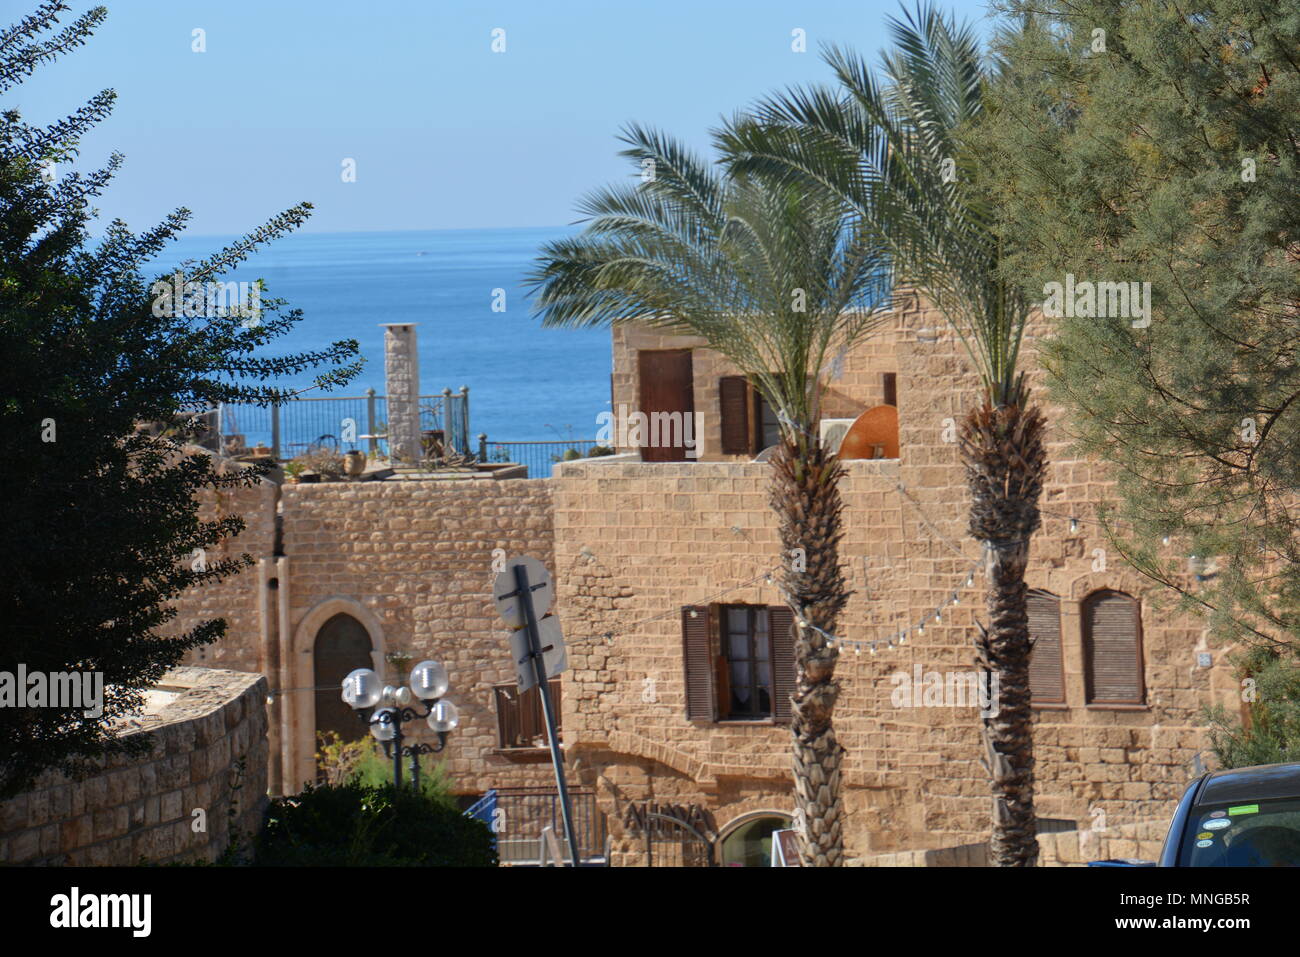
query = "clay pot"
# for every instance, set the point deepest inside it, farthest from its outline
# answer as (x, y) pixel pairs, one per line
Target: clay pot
(354, 463)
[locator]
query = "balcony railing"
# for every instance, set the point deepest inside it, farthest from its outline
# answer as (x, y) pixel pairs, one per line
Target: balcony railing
(290, 428)
(522, 813)
(540, 457)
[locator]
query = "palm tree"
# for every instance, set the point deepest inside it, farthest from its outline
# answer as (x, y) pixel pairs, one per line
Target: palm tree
(778, 280)
(891, 148)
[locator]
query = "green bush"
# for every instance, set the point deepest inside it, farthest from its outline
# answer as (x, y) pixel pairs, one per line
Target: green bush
(353, 825)
(373, 770)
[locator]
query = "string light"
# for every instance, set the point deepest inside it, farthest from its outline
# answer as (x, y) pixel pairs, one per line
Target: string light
(1074, 524)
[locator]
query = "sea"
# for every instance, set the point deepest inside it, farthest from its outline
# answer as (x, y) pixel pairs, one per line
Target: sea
(526, 383)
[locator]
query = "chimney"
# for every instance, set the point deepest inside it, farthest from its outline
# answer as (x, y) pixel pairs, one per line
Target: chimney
(402, 386)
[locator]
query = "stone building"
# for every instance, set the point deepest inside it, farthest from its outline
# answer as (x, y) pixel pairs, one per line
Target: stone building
(672, 707)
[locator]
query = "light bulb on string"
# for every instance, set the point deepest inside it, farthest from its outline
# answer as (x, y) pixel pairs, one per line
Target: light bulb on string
(1074, 524)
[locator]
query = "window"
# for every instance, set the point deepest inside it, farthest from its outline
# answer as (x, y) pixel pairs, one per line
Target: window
(750, 845)
(521, 722)
(748, 662)
(1112, 648)
(749, 424)
(739, 662)
(889, 386)
(1046, 669)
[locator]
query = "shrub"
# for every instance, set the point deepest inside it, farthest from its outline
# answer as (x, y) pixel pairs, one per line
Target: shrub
(352, 825)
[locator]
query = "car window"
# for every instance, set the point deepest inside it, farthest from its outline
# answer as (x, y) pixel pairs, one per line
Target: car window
(1242, 834)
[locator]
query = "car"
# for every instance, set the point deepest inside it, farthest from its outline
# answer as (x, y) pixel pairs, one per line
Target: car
(1237, 817)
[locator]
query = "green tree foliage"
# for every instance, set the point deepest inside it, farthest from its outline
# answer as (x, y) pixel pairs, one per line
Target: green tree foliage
(1140, 143)
(353, 825)
(104, 527)
(1152, 143)
(1271, 691)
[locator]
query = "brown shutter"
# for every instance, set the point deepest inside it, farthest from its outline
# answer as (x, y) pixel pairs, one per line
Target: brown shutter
(1112, 648)
(1046, 675)
(780, 630)
(889, 385)
(698, 658)
(734, 406)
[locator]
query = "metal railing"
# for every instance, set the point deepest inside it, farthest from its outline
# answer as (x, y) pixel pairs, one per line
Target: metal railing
(522, 813)
(290, 428)
(540, 457)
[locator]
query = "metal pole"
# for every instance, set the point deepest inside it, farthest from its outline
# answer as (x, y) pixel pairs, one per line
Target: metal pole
(397, 752)
(415, 770)
(275, 431)
(544, 689)
(462, 432)
(447, 447)
(370, 422)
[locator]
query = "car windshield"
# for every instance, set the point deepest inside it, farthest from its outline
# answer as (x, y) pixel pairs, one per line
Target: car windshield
(1261, 834)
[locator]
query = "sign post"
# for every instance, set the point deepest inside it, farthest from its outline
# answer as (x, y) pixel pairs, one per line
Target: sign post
(517, 607)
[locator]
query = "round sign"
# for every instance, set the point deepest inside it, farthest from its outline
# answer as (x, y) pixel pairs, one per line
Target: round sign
(1216, 823)
(539, 585)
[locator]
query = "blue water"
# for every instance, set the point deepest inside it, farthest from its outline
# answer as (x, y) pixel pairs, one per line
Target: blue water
(526, 383)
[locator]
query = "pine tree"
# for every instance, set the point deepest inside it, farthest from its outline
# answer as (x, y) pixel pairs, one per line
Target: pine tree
(1141, 143)
(104, 526)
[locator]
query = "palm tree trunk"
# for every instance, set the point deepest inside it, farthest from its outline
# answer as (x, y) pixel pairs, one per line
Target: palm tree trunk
(1002, 446)
(806, 496)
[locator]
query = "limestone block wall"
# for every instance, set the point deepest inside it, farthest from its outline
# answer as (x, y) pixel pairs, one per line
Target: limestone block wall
(413, 561)
(239, 598)
(636, 541)
(143, 808)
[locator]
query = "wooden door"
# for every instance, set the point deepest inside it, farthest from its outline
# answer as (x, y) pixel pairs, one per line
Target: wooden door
(666, 384)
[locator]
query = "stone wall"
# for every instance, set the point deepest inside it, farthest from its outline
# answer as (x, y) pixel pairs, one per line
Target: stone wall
(237, 599)
(637, 541)
(413, 561)
(143, 808)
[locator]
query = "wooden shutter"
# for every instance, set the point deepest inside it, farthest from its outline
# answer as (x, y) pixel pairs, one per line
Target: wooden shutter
(780, 630)
(734, 403)
(889, 385)
(697, 655)
(1112, 648)
(1046, 669)
(520, 718)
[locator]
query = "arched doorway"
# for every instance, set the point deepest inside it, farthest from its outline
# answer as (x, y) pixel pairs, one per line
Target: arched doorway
(750, 843)
(342, 645)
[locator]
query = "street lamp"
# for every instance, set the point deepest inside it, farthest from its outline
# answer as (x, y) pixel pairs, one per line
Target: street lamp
(428, 683)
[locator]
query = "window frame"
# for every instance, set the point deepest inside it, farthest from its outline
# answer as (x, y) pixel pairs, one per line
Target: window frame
(1063, 702)
(515, 699)
(725, 659)
(1086, 642)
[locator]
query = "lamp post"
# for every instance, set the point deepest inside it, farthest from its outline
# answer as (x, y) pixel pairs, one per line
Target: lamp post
(428, 683)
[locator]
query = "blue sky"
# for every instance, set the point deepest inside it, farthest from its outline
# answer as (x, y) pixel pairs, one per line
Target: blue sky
(445, 133)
